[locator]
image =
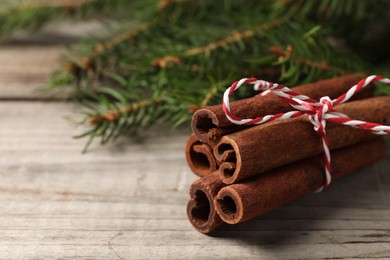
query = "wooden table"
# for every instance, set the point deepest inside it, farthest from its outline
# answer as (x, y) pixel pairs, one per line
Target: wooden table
(127, 200)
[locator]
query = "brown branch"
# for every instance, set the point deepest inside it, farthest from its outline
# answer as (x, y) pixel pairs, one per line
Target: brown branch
(165, 61)
(288, 53)
(114, 115)
(236, 36)
(87, 62)
(125, 36)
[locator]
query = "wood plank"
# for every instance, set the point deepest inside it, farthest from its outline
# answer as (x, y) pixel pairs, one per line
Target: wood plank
(24, 71)
(27, 61)
(127, 201)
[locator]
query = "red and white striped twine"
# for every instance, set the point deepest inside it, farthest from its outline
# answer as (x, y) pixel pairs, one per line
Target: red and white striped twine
(319, 111)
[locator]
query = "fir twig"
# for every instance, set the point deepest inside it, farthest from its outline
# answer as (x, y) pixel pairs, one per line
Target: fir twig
(288, 54)
(114, 115)
(87, 62)
(235, 37)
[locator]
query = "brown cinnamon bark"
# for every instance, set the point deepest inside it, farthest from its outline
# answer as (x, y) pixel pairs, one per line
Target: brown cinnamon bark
(209, 124)
(200, 157)
(261, 148)
(243, 201)
(200, 208)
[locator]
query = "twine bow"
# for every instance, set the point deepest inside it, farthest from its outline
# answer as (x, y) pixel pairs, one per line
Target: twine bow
(319, 111)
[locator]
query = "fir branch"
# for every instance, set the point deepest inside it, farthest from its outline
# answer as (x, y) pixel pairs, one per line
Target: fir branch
(87, 62)
(235, 37)
(124, 36)
(288, 54)
(86, 70)
(86, 66)
(111, 116)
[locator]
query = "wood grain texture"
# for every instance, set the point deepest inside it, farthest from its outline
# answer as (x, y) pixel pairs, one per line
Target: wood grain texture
(27, 61)
(127, 200)
(25, 71)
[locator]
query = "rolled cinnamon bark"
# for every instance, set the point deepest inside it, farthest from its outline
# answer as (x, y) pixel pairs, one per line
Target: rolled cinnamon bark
(200, 157)
(249, 199)
(200, 208)
(209, 124)
(265, 147)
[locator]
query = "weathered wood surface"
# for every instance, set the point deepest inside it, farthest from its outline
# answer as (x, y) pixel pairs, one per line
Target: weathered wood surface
(127, 200)
(27, 61)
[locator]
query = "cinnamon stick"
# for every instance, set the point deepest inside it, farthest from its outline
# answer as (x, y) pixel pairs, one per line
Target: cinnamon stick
(200, 208)
(243, 201)
(209, 124)
(200, 157)
(264, 147)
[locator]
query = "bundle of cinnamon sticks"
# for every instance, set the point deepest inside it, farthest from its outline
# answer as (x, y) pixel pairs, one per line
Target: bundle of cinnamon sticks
(248, 171)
